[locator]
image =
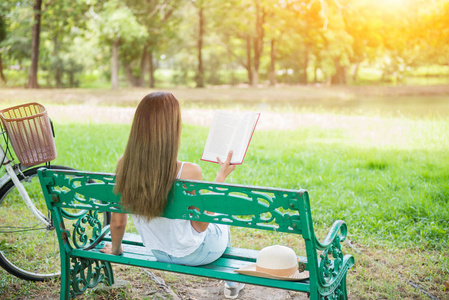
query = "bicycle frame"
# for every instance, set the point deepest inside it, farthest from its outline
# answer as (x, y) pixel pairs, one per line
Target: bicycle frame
(11, 174)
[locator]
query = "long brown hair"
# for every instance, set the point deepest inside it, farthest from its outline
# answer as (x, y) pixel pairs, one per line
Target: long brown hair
(146, 171)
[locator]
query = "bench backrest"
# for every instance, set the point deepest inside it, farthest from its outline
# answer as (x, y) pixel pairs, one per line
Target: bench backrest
(280, 210)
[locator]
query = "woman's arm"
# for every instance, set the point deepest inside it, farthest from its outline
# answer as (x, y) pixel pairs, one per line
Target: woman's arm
(118, 225)
(225, 169)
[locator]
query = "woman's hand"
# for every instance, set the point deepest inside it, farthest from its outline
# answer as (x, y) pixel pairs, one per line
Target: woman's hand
(108, 249)
(118, 226)
(225, 168)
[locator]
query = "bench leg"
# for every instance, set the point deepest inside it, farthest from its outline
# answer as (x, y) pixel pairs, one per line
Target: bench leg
(109, 274)
(338, 292)
(65, 276)
(343, 289)
(85, 273)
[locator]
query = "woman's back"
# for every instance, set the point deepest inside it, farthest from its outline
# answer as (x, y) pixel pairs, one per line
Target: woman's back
(174, 237)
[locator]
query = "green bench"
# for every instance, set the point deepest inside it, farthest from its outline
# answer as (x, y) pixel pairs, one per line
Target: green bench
(78, 201)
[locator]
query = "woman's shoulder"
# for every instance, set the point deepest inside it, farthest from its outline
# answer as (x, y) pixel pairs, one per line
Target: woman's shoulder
(191, 171)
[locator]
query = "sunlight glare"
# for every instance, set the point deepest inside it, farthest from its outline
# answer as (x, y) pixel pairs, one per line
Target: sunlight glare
(390, 3)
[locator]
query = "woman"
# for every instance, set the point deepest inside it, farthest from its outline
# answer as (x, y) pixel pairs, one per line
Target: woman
(144, 176)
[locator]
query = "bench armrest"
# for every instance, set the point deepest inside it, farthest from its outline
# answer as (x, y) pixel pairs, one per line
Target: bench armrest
(338, 230)
(103, 233)
(332, 265)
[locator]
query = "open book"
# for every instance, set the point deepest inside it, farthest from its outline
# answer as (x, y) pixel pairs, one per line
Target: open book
(230, 131)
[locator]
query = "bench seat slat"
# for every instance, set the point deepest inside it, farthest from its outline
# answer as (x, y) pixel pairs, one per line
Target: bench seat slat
(233, 262)
(231, 252)
(244, 254)
(130, 239)
(223, 268)
(227, 263)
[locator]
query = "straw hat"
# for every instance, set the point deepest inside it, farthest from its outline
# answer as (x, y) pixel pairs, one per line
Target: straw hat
(275, 262)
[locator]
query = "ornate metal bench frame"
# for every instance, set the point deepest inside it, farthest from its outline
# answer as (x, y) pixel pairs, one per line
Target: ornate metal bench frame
(78, 199)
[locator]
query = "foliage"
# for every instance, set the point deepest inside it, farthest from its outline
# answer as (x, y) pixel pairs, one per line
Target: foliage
(62, 22)
(159, 19)
(292, 41)
(116, 21)
(17, 42)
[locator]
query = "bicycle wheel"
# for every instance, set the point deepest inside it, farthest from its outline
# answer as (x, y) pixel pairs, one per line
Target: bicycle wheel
(28, 248)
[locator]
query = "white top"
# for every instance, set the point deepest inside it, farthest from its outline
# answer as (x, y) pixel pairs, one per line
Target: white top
(175, 237)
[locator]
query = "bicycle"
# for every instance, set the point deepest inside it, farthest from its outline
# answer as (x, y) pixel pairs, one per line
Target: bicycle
(28, 244)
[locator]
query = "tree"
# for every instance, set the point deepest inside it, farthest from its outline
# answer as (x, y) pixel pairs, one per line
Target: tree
(64, 20)
(304, 41)
(118, 26)
(432, 33)
(283, 30)
(243, 33)
(213, 10)
(258, 38)
(160, 21)
(363, 24)
(2, 38)
(200, 6)
(35, 40)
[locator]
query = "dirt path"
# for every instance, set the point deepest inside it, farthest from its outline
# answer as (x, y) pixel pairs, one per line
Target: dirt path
(213, 290)
(269, 120)
(187, 287)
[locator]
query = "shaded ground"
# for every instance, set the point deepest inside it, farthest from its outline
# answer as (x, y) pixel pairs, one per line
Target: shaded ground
(269, 120)
(379, 273)
(203, 288)
(364, 99)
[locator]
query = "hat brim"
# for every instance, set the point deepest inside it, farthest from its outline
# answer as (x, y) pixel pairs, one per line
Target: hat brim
(251, 271)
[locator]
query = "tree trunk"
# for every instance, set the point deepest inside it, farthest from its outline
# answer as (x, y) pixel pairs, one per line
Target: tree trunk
(72, 79)
(231, 69)
(248, 65)
(303, 78)
(137, 81)
(200, 74)
(133, 81)
(2, 38)
(316, 67)
(151, 68)
(258, 41)
(272, 72)
(57, 67)
(32, 79)
(340, 73)
(355, 72)
(143, 67)
(114, 65)
(2, 76)
(255, 77)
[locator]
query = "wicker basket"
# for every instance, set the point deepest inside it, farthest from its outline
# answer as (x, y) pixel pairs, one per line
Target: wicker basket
(30, 133)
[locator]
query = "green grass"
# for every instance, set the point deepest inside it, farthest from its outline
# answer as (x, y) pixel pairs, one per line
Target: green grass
(388, 178)
(391, 188)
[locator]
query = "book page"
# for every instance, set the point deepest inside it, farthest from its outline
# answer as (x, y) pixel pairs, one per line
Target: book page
(241, 137)
(229, 131)
(221, 134)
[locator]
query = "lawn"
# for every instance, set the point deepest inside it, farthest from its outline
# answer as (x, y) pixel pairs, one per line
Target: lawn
(384, 170)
